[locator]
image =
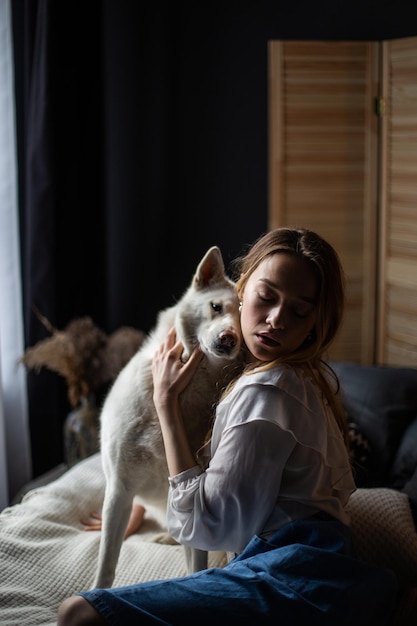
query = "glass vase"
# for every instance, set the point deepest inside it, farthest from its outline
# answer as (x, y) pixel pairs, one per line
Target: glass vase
(81, 428)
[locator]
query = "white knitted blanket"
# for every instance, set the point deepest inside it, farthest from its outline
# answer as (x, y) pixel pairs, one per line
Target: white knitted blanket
(46, 555)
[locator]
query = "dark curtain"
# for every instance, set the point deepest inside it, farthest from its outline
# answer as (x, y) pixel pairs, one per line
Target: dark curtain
(142, 141)
(59, 86)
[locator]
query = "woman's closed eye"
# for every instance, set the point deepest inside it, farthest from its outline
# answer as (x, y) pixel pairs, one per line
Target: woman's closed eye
(265, 296)
(299, 309)
(303, 312)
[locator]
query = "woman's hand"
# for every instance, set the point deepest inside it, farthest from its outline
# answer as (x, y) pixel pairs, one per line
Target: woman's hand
(170, 375)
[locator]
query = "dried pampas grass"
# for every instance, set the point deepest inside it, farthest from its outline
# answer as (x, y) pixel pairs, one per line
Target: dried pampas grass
(83, 354)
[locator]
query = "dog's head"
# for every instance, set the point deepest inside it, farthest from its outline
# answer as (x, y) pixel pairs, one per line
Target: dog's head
(208, 313)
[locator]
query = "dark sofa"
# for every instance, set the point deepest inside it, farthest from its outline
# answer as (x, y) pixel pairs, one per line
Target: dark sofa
(381, 404)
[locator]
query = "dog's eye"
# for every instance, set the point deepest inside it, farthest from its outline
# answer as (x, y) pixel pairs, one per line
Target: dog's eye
(217, 307)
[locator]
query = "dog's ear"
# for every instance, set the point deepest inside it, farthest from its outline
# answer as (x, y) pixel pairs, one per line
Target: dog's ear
(210, 270)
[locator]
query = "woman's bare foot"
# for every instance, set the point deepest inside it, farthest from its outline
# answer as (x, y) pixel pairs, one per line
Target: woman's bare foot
(135, 520)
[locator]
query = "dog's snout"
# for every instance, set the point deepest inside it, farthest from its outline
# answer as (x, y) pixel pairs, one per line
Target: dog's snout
(228, 339)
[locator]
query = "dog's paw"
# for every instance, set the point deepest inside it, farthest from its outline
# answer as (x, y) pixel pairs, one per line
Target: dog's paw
(164, 538)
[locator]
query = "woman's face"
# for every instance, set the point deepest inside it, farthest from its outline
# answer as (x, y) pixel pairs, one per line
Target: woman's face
(279, 306)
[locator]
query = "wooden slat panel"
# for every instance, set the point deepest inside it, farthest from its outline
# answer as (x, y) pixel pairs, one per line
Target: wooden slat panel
(322, 167)
(398, 328)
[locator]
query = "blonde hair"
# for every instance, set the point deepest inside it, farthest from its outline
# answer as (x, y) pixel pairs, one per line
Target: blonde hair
(330, 305)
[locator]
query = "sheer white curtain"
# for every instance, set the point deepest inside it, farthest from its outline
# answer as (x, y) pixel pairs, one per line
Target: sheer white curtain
(15, 461)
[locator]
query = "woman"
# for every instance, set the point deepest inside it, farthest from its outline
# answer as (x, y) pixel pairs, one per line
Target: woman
(276, 488)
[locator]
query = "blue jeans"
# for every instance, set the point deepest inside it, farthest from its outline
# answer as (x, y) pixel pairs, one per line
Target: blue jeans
(304, 573)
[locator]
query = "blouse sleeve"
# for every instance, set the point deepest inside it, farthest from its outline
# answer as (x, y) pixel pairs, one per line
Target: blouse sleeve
(224, 506)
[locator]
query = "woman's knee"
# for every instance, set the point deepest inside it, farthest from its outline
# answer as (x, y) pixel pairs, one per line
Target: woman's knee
(76, 611)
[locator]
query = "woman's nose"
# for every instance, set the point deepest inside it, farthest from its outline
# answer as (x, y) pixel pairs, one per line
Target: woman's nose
(275, 317)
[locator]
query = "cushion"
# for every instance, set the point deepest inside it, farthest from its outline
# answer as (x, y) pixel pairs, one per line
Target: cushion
(382, 401)
(384, 531)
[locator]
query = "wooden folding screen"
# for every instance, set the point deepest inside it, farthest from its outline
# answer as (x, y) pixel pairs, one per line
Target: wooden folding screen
(333, 167)
(398, 251)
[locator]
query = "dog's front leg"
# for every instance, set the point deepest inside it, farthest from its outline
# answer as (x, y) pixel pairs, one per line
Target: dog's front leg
(116, 512)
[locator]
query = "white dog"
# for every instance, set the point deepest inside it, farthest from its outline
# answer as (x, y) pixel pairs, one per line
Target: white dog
(132, 448)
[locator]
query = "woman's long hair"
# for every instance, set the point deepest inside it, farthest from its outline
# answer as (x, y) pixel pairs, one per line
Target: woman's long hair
(330, 306)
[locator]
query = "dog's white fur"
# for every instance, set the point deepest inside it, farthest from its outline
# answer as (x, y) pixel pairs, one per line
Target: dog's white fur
(132, 448)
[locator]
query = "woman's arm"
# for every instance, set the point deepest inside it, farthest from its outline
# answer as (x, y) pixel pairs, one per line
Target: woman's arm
(223, 507)
(170, 377)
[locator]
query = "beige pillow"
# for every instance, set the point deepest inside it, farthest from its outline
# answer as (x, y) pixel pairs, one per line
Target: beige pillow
(384, 531)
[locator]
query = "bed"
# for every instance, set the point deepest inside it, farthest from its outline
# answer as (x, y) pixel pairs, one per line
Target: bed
(46, 554)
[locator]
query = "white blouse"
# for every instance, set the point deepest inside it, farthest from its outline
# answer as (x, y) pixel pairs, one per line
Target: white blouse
(277, 455)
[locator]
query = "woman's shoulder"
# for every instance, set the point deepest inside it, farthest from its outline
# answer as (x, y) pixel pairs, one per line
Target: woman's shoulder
(290, 385)
(283, 377)
(282, 395)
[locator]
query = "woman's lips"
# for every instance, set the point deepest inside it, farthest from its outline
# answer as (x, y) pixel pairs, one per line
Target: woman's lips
(267, 339)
